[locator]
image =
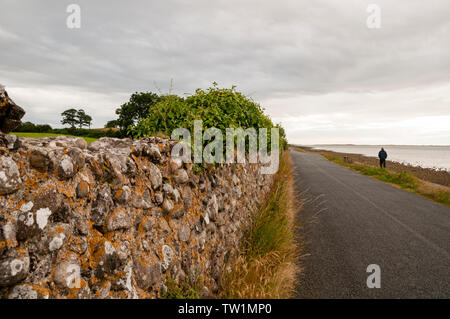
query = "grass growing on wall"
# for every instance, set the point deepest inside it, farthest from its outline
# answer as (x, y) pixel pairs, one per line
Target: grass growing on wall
(266, 267)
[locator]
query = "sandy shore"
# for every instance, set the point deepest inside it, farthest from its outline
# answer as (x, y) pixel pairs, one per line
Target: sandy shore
(439, 177)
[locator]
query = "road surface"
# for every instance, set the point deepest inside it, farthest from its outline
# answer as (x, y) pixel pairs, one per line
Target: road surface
(350, 221)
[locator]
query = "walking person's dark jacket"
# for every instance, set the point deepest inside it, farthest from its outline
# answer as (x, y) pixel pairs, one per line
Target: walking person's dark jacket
(382, 155)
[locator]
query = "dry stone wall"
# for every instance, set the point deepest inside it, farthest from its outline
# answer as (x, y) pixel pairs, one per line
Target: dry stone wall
(116, 218)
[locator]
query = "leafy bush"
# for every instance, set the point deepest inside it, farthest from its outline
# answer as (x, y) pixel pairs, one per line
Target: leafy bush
(33, 128)
(220, 108)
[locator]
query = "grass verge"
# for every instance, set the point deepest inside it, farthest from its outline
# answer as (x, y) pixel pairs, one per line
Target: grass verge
(40, 135)
(265, 266)
(404, 180)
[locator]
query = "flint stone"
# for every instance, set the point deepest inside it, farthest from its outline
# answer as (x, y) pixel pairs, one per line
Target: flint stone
(119, 219)
(11, 142)
(9, 176)
(39, 159)
(66, 275)
(13, 270)
(102, 205)
(66, 167)
(180, 176)
(184, 233)
(147, 276)
(155, 176)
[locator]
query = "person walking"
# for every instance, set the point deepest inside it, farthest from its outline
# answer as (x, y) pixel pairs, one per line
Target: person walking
(382, 155)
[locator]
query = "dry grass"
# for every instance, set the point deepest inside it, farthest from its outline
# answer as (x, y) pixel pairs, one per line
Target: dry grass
(265, 267)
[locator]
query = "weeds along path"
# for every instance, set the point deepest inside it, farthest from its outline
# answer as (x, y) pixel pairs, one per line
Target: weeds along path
(266, 266)
(351, 221)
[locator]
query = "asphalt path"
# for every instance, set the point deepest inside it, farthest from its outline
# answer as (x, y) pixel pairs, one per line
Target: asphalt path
(350, 221)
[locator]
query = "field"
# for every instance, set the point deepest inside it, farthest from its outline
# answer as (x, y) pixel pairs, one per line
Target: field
(40, 135)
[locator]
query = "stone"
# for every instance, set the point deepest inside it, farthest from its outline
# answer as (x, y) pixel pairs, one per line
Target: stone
(155, 176)
(77, 156)
(213, 207)
(26, 226)
(159, 198)
(102, 205)
(176, 195)
(66, 167)
(11, 142)
(147, 224)
(142, 202)
(123, 195)
(23, 291)
(184, 233)
(42, 216)
(178, 213)
(167, 206)
(14, 270)
(168, 255)
(187, 197)
(123, 251)
(238, 191)
(119, 219)
(147, 276)
(56, 242)
(211, 228)
(51, 199)
(10, 112)
(235, 179)
(39, 159)
(152, 151)
(9, 176)
(81, 143)
(180, 176)
(167, 189)
(67, 275)
(82, 189)
(175, 163)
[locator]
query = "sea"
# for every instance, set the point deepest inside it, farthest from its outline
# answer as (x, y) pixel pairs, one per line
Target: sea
(437, 157)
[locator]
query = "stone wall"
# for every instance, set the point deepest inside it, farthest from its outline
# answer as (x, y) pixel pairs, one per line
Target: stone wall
(116, 218)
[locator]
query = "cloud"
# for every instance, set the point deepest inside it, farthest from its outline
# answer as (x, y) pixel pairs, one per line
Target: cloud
(304, 60)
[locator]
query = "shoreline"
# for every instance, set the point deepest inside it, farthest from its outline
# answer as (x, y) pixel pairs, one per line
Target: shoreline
(430, 175)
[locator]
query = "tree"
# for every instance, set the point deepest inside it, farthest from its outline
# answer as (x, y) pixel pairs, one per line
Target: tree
(112, 124)
(74, 117)
(70, 117)
(83, 118)
(87, 120)
(137, 108)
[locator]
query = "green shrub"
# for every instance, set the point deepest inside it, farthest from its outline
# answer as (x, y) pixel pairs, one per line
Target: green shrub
(220, 108)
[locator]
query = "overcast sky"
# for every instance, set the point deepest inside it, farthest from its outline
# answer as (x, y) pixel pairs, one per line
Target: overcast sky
(314, 65)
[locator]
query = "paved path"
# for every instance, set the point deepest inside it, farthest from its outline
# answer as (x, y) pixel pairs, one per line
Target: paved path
(350, 221)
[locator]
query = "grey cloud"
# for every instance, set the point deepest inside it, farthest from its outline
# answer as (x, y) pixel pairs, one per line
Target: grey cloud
(274, 51)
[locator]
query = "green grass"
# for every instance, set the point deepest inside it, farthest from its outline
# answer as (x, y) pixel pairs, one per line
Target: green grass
(404, 180)
(40, 135)
(183, 289)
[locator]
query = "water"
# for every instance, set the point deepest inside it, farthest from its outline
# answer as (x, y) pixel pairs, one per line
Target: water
(425, 156)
